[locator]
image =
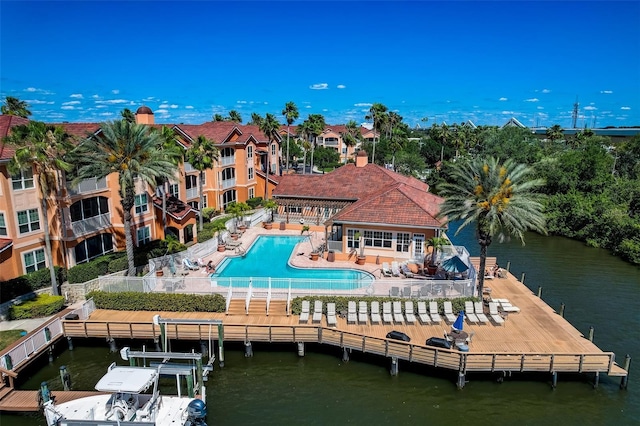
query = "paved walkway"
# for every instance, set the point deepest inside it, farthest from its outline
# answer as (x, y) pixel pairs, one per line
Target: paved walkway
(26, 324)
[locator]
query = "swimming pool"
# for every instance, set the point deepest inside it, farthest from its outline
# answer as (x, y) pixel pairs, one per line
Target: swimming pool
(268, 261)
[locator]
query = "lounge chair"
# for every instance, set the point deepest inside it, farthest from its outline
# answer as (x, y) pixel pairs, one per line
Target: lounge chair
(304, 314)
(409, 312)
(433, 312)
(386, 313)
(494, 314)
(395, 269)
(406, 292)
(395, 292)
(422, 313)
(508, 307)
(479, 311)
(317, 311)
(397, 313)
(352, 316)
(375, 312)
(405, 271)
(189, 264)
(386, 271)
(448, 312)
(469, 311)
(363, 316)
(331, 314)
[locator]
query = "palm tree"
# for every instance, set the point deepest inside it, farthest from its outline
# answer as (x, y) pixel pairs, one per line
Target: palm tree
(352, 135)
(315, 125)
(174, 153)
(291, 114)
(256, 119)
(14, 106)
(499, 198)
(376, 113)
(269, 127)
(128, 115)
(42, 148)
(436, 244)
(218, 117)
(554, 133)
(132, 151)
(202, 156)
(235, 116)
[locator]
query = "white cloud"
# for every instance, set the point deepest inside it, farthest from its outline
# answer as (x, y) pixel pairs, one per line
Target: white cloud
(324, 110)
(35, 101)
(590, 108)
(241, 102)
(105, 114)
(341, 86)
(532, 100)
(113, 101)
(41, 91)
(115, 91)
(507, 112)
(606, 92)
(101, 106)
(162, 111)
(189, 107)
(149, 99)
(30, 89)
(540, 107)
(308, 106)
(163, 106)
(546, 91)
(503, 99)
(625, 108)
(71, 103)
(319, 86)
(95, 97)
(67, 107)
(174, 106)
(362, 104)
(76, 95)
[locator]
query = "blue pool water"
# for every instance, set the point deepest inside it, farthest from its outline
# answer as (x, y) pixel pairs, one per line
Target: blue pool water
(269, 257)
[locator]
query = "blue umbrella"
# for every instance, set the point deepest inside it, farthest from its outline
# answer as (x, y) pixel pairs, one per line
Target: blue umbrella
(459, 321)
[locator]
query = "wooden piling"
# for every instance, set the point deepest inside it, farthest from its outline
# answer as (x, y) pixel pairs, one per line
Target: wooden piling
(625, 379)
(562, 310)
(539, 292)
(591, 334)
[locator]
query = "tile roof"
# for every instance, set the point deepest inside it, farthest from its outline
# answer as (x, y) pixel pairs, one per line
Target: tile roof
(81, 130)
(5, 244)
(222, 131)
(6, 123)
(176, 208)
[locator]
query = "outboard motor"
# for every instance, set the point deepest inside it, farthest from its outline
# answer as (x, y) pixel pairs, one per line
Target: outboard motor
(196, 413)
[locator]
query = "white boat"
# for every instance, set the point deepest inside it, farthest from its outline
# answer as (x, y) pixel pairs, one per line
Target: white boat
(131, 398)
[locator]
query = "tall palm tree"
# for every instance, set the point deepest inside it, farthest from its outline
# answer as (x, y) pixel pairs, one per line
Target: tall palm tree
(499, 198)
(269, 127)
(128, 115)
(175, 154)
(42, 148)
(218, 117)
(235, 116)
(14, 106)
(376, 113)
(291, 114)
(132, 151)
(202, 156)
(256, 119)
(352, 135)
(315, 127)
(554, 133)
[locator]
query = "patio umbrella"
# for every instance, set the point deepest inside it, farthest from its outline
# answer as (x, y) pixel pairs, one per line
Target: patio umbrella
(454, 264)
(459, 323)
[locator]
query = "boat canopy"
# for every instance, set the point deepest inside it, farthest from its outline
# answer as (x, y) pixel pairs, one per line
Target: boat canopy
(127, 379)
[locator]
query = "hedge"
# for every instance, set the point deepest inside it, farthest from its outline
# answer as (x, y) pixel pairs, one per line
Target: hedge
(342, 303)
(30, 282)
(172, 302)
(42, 306)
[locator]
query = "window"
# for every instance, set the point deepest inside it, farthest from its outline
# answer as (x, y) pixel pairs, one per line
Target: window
(141, 203)
(403, 240)
(249, 152)
(93, 247)
(273, 149)
(28, 221)
(174, 190)
(378, 239)
(191, 181)
(250, 173)
(87, 208)
(22, 180)
(144, 235)
(228, 197)
(34, 261)
(294, 209)
(204, 201)
(193, 204)
(352, 241)
(229, 173)
(252, 193)
(3, 226)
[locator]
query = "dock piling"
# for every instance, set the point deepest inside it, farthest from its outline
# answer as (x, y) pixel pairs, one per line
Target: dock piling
(596, 380)
(221, 345)
(394, 366)
(562, 310)
(300, 348)
(70, 343)
(50, 354)
(461, 380)
(112, 345)
(591, 334)
(248, 350)
(539, 292)
(65, 377)
(625, 379)
(554, 379)
(522, 278)
(345, 355)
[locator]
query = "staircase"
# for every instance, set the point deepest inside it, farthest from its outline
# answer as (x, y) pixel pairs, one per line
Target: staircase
(278, 307)
(258, 307)
(236, 307)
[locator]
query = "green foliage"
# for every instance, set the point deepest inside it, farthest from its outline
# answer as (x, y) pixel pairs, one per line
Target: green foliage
(170, 302)
(118, 264)
(7, 337)
(159, 248)
(42, 306)
(254, 202)
(209, 212)
(342, 302)
(326, 157)
(30, 282)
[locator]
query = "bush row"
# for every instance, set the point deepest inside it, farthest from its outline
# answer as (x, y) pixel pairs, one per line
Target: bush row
(342, 303)
(103, 265)
(30, 282)
(42, 306)
(133, 301)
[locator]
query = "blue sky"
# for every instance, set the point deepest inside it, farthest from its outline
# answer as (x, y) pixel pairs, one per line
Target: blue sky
(448, 61)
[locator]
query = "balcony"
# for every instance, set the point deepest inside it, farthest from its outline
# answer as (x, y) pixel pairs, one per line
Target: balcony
(227, 161)
(86, 186)
(228, 183)
(192, 193)
(331, 142)
(188, 168)
(92, 224)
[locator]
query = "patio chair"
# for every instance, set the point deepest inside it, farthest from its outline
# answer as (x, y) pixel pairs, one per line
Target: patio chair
(317, 311)
(304, 314)
(469, 312)
(352, 316)
(395, 269)
(362, 312)
(331, 315)
(494, 314)
(386, 313)
(448, 312)
(405, 271)
(409, 312)
(189, 264)
(479, 311)
(406, 292)
(433, 312)
(506, 306)
(395, 292)
(375, 312)
(386, 271)
(422, 313)
(397, 313)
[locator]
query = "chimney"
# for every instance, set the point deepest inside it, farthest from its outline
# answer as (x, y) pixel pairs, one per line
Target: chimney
(144, 115)
(362, 159)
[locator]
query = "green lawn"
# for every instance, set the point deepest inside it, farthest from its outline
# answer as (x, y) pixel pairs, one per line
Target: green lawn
(8, 337)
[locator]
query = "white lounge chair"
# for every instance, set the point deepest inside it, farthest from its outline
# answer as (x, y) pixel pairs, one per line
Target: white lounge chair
(352, 316)
(508, 307)
(395, 269)
(317, 311)
(304, 314)
(386, 270)
(409, 312)
(386, 312)
(363, 316)
(433, 312)
(331, 315)
(189, 264)
(405, 271)
(494, 314)
(375, 312)
(397, 313)
(448, 312)
(470, 312)
(422, 313)
(480, 313)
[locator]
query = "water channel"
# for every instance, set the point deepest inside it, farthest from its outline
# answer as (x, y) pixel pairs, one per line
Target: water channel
(278, 387)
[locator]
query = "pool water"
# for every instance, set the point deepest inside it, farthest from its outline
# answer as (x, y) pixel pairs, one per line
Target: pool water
(269, 257)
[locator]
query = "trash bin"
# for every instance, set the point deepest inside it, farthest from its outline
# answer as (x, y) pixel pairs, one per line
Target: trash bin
(283, 226)
(72, 317)
(331, 256)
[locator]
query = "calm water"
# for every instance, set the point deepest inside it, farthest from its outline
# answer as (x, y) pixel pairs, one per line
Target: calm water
(278, 250)
(277, 387)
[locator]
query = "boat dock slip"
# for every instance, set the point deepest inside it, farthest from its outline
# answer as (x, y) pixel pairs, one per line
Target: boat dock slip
(27, 400)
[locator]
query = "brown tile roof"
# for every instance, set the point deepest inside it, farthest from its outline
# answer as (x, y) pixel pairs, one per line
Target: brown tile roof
(81, 130)
(5, 244)
(176, 208)
(6, 123)
(222, 131)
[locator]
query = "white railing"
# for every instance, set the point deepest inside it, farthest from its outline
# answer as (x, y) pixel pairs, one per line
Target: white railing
(269, 296)
(335, 246)
(227, 161)
(228, 183)
(247, 300)
(92, 224)
(192, 193)
(229, 294)
(289, 301)
(87, 185)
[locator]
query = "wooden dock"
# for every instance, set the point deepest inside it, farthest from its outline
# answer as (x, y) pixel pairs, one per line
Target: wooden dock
(27, 400)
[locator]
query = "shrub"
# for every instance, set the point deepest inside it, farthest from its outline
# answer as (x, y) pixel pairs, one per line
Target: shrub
(133, 301)
(118, 264)
(209, 212)
(87, 271)
(42, 306)
(254, 202)
(205, 234)
(30, 282)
